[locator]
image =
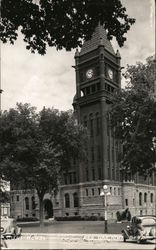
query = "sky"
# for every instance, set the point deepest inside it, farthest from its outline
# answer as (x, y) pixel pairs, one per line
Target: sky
(49, 80)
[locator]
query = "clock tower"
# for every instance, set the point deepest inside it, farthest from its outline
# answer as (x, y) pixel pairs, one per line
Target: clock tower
(97, 78)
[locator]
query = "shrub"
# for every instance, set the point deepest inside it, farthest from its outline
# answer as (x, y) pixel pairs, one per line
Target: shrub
(27, 219)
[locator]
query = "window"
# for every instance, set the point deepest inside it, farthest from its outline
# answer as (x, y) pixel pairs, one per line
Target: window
(98, 86)
(92, 154)
(93, 89)
(85, 122)
(113, 173)
(151, 197)
(76, 200)
(17, 197)
(97, 124)
(67, 201)
(70, 178)
(12, 198)
(114, 191)
(88, 90)
(93, 174)
(108, 155)
(87, 175)
(99, 191)
(86, 192)
(126, 202)
(145, 197)
(74, 160)
(74, 177)
(98, 153)
(91, 127)
(100, 173)
(117, 155)
(112, 154)
(26, 203)
(140, 199)
(33, 202)
(93, 191)
(108, 125)
(110, 190)
(65, 179)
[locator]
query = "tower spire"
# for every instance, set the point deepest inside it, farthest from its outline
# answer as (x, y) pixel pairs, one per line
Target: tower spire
(99, 37)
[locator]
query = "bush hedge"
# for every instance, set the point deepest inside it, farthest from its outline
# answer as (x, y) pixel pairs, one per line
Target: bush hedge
(27, 219)
(79, 218)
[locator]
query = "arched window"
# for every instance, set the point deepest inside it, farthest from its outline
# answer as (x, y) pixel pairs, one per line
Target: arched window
(140, 199)
(93, 191)
(151, 197)
(76, 200)
(67, 201)
(33, 202)
(145, 197)
(26, 203)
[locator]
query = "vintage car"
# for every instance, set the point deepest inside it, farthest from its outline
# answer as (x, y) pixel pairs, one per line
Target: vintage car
(9, 228)
(3, 244)
(141, 229)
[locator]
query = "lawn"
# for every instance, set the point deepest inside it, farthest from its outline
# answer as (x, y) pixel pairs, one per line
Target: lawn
(74, 227)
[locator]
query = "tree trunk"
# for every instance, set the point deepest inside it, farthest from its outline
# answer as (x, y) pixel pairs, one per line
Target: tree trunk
(41, 210)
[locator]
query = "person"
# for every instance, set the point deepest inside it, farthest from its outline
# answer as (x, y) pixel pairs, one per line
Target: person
(138, 229)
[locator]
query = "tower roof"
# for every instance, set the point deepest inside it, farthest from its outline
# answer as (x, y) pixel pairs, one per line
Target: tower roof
(99, 37)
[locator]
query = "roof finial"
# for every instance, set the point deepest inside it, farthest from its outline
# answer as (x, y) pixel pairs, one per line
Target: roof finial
(77, 52)
(118, 54)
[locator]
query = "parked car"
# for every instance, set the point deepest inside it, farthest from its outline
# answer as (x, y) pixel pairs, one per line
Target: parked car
(9, 228)
(3, 244)
(141, 229)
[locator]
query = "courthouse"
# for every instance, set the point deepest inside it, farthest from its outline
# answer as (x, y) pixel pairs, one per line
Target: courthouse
(98, 76)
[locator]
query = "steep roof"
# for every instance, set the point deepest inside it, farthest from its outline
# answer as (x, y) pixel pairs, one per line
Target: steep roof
(99, 36)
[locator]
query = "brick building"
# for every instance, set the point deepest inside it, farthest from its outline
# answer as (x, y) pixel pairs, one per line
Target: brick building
(97, 69)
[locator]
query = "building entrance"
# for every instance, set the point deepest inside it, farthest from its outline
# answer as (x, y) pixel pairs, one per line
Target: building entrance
(48, 209)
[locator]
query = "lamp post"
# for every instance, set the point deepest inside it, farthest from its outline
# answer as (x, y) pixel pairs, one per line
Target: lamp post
(105, 193)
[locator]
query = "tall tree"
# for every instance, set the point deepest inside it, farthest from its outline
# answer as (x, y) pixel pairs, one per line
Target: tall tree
(36, 147)
(134, 119)
(63, 24)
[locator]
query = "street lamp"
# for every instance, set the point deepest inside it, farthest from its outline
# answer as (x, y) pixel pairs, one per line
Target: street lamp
(105, 193)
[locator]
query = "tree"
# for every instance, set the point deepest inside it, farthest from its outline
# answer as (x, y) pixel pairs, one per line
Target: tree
(134, 119)
(36, 147)
(63, 24)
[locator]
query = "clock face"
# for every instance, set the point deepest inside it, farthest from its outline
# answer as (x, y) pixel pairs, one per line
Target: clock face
(89, 73)
(110, 74)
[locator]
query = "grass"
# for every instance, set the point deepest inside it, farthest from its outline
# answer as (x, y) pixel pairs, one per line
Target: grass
(86, 227)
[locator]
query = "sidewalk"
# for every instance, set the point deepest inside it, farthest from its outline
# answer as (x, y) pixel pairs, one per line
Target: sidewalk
(72, 237)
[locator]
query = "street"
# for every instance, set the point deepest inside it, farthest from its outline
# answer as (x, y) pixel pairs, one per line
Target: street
(73, 243)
